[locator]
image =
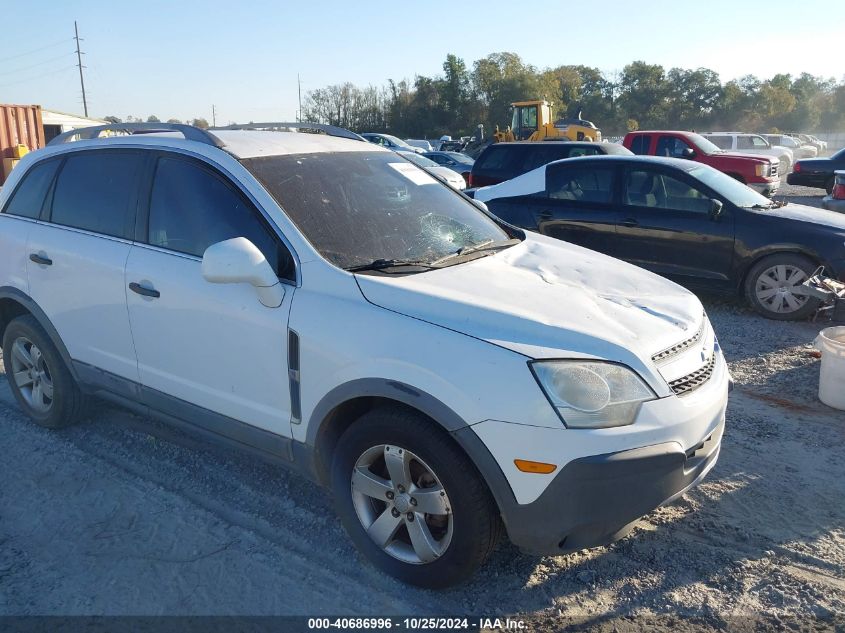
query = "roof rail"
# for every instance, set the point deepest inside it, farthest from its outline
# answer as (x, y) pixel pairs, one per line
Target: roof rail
(190, 132)
(331, 130)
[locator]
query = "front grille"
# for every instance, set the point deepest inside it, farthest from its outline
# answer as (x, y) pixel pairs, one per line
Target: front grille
(691, 382)
(669, 352)
(774, 171)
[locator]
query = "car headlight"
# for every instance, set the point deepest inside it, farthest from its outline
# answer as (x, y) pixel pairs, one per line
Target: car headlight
(592, 394)
(762, 170)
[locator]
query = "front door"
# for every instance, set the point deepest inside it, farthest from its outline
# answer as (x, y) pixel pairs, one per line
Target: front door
(214, 346)
(668, 226)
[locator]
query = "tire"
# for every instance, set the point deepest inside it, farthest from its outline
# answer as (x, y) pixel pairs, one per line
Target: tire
(38, 376)
(769, 280)
(457, 542)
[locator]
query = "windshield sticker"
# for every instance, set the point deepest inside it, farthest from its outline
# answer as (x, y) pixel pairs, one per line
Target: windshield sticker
(413, 173)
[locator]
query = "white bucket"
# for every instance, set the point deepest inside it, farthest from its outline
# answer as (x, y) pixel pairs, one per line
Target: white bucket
(831, 343)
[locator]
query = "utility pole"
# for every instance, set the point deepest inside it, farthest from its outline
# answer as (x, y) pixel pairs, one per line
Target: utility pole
(299, 90)
(213, 115)
(79, 63)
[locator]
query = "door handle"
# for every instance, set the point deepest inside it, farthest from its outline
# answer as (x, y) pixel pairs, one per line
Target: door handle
(629, 222)
(40, 259)
(144, 291)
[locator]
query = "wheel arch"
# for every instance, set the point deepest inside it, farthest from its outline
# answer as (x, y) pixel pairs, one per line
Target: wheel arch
(344, 404)
(776, 249)
(14, 303)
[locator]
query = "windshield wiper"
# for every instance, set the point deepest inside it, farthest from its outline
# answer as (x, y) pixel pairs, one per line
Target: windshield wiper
(383, 264)
(486, 245)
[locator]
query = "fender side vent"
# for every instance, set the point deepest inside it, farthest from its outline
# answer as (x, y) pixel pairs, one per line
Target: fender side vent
(293, 377)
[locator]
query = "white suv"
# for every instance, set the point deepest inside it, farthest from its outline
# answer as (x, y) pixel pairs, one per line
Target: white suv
(753, 144)
(327, 305)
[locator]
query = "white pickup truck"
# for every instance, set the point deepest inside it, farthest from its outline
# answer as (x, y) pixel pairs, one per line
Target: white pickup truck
(753, 144)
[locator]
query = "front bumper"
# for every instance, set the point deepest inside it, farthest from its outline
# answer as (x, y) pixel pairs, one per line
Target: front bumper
(595, 500)
(608, 478)
(767, 187)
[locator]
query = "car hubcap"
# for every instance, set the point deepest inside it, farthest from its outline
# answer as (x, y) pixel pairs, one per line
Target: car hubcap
(31, 375)
(775, 288)
(402, 504)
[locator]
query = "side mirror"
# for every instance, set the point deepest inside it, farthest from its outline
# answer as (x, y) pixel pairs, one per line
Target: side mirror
(688, 153)
(716, 209)
(238, 261)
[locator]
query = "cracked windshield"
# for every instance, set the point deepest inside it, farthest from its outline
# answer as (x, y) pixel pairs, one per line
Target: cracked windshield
(357, 208)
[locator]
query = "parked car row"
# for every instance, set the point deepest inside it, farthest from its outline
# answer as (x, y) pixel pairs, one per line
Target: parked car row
(758, 172)
(753, 144)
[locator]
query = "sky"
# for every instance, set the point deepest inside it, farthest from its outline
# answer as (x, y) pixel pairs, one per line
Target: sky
(177, 58)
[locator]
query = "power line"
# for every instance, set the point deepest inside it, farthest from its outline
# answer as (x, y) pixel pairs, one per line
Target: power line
(36, 50)
(41, 63)
(48, 74)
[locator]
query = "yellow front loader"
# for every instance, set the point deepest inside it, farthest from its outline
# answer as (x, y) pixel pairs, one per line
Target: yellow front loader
(532, 121)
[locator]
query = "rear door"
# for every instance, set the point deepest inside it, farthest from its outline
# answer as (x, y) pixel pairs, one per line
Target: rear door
(668, 227)
(576, 205)
(77, 256)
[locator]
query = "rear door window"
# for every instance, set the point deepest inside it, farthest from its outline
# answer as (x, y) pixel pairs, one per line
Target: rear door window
(744, 142)
(494, 159)
(539, 155)
(96, 190)
(641, 144)
(192, 207)
(28, 199)
(582, 183)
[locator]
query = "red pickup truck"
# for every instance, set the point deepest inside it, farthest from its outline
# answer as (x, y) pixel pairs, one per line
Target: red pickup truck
(756, 171)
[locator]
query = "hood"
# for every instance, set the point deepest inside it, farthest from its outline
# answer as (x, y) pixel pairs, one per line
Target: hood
(803, 213)
(545, 298)
(743, 156)
(451, 177)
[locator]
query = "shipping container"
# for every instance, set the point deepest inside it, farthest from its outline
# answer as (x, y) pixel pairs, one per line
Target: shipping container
(19, 125)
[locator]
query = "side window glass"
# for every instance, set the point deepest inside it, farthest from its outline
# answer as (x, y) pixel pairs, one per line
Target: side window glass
(718, 141)
(641, 144)
(192, 208)
(539, 155)
(744, 142)
(28, 198)
(671, 146)
(659, 191)
(759, 142)
(96, 191)
(579, 184)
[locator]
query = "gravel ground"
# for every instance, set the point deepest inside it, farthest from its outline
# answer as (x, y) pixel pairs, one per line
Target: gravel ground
(123, 515)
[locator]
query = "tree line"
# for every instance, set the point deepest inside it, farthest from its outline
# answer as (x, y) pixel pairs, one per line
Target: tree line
(640, 96)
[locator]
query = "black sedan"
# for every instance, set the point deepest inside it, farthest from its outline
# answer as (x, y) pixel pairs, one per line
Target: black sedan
(680, 219)
(817, 172)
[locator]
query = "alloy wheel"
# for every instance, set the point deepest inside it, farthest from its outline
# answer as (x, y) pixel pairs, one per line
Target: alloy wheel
(401, 504)
(31, 375)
